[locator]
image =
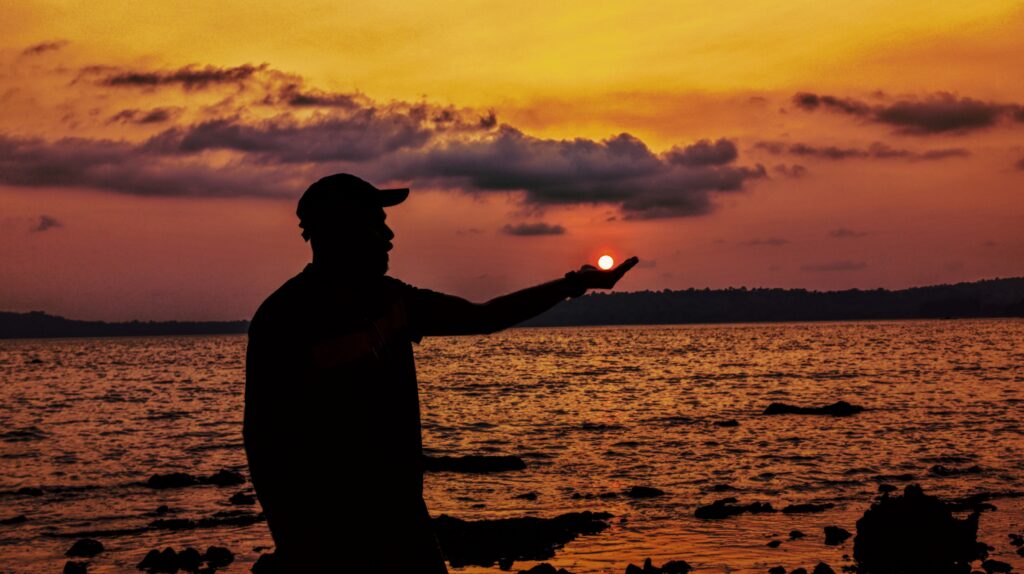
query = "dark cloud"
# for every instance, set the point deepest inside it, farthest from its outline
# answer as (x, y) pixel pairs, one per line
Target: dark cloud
(704, 152)
(43, 47)
(877, 150)
(768, 241)
(845, 233)
(190, 77)
(45, 223)
(528, 229)
(941, 112)
(794, 171)
(620, 170)
(153, 116)
(844, 265)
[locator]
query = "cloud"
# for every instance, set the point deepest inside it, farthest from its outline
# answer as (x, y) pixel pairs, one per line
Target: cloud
(845, 233)
(877, 150)
(620, 170)
(941, 112)
(768, 241)
(704, 152)
(45, 223)
(153, 116)
(845, 265)
(191, 77)
(43, 47)
(530, 229)
(793, 171)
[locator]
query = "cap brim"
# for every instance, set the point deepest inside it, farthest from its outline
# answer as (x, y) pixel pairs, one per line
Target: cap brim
(389, 197)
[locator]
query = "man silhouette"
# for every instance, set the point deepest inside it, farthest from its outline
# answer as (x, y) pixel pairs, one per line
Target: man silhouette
(332, 422)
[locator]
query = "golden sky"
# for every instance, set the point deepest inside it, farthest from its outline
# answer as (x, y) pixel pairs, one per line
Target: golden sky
(151, 153)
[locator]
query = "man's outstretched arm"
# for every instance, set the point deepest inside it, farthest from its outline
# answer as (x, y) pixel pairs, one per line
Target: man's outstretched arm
(440, 314)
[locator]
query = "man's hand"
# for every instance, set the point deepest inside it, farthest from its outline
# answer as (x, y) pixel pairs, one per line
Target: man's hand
(593, 278)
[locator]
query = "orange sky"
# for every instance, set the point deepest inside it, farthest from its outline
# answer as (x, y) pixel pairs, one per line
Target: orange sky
(151, 155)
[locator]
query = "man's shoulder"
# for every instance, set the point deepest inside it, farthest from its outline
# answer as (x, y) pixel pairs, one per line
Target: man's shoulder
(283, 302)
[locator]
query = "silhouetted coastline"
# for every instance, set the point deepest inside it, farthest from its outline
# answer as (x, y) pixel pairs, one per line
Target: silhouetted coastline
(978, 299)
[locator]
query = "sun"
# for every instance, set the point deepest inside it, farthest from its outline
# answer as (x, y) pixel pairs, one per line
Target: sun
(605, 262)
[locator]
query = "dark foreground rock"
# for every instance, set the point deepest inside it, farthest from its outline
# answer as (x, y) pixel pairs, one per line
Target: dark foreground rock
(487, 542)
(671, 567)
(472, 463)
(837, 409)
(915, 532)
(727, 507)
(85, 548)
(75, 567)
(834, 535)
(544, 568)
(189, 560)
(643, 492)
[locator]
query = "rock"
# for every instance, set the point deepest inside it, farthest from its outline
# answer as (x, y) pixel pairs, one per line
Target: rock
(643, 492)
(162, 510)
(486, 542)
(837, 409)
(171, 480)
(723, 488)
(264, 564)
(994, 566)
(472, 463)
(886, 488)
(526, 496)
(727, 423)
(834, 535)
(157, 561)
(73, 567)
(85, 548)
(774, 544)
(796, 535)
(672, 567)
(29, 491)
(823, 568)
(1020, 551)
(940, 470)
(1017, 540)
(777, 570)
(727, 507)
(807, 508)
(218, 556)
(224, 477)
(189, 559)
(915, 533)
(798, 571)
(14, 520)
(242, 498)
(544, 568)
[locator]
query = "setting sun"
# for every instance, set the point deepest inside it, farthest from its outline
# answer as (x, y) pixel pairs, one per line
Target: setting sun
(605, 262)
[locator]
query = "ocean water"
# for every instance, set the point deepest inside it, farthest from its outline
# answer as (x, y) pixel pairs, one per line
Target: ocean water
(590, 410)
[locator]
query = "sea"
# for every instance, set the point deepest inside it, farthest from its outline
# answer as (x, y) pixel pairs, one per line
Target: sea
(593, 412)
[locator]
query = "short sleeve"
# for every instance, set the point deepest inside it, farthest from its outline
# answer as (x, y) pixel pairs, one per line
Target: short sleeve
(431, 312)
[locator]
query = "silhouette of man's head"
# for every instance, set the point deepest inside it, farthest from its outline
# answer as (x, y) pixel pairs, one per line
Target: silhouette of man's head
(342, 216)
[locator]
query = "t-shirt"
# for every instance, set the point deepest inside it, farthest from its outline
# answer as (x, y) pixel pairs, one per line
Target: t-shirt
(331, 399)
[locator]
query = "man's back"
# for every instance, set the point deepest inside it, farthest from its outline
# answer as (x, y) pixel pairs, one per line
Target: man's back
(332, 425)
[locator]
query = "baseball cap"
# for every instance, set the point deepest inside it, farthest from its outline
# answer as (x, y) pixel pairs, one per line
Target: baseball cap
(332, 196)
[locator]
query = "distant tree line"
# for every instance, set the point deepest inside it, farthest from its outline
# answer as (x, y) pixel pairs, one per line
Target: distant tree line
(988, 298)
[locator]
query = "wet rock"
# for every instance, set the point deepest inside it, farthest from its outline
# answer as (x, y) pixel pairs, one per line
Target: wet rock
(75, 567)
(472, 463)
(224, 477)
(526, 496)
(886, 488)
(14, 520)
(1017, 540)
(29, 491)
(218, 556)
(798, 571)
(940, 470)
(1020, 551)
(822, 568)
(807, 508)
(727, 507)
(242, 498)
(171, 480)
(774, 544)
(723, 488)
(834, 535)
(727, 423)
(915, 532)
(644, 492)
(544, 568)
(777, 570)
(837, 409)
(264, 564)
(157, 561)
(995, 566)
(796, 535)
(189, 559)
(85, 548)
(162, 510)
(672, 567)
(486, 542)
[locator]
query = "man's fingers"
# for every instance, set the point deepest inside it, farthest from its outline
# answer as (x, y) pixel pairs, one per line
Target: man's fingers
(626, 265)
